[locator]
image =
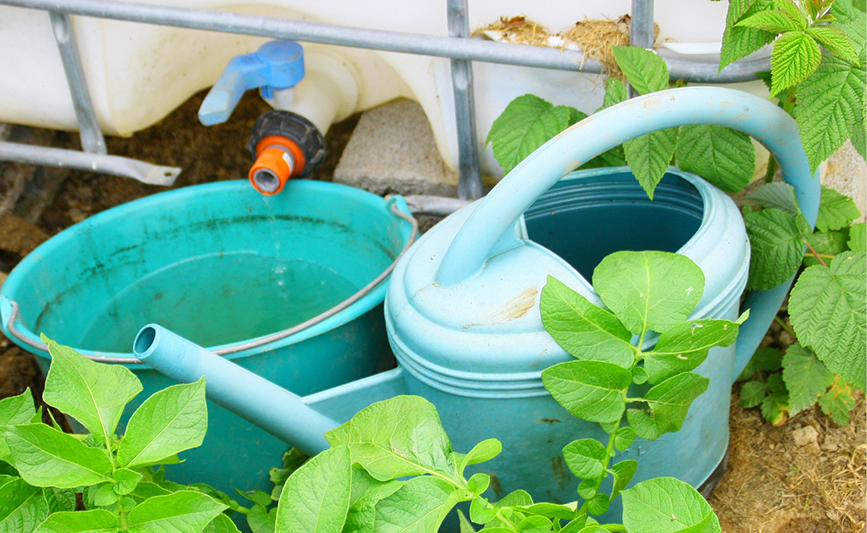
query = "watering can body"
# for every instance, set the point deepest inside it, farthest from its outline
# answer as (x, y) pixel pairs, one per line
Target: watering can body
(462, 309)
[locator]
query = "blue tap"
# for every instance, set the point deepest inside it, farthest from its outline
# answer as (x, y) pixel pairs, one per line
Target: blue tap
(276, 65)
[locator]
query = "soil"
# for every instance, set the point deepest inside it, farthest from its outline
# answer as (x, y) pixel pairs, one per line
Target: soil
(772, 485)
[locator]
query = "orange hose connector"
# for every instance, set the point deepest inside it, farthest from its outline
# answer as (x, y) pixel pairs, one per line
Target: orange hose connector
(277, 160)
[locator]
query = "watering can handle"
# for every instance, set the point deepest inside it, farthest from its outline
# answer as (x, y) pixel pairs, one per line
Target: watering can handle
(755, 116)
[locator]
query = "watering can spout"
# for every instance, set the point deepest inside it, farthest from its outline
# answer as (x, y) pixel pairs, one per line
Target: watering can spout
(250, 396)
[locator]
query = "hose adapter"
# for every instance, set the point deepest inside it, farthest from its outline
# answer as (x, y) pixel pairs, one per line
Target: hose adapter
(285, 145)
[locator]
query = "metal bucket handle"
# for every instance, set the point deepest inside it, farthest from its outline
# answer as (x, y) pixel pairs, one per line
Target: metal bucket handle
(476, 241)
(390, 205)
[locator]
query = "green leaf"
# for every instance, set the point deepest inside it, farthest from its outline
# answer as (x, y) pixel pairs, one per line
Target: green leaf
(772, 21)
(92, 393)
(623, 473)
(589, 487)
(836, 402)
(418, 506)
(46, 457)
(598, 504)
(95, 521)
(721, 155)
(481, 452)
(586, 458)
(805, 376)
(646, 71)
(527, 123)
(186, 511)
(835, 41)
(126, 481)
(615, 92)
(669, 404)
(829, 243)
(831, 104)
(741, 41)
(583, 329)
(17, 409)
(315, 498)
(478, 483)
(624, 438)
(791, 10)
(649, 157)
(768, 359)
(752, 394)
(481, 512)
(649, 290)
(684, 346)
(777, 249)
(590, 390)
(778, 195)
(666, 505)
(59, 500)
(367, 490)
(103, 496)
(857, 237)
(466, 526)
(794, 58)
(256, 496)
(850, 21)
(398, 437)
(549, 510)
(22, 507)
(827, 310)
(223, 524)
(171, 421)
(835, 210)
(775, 406)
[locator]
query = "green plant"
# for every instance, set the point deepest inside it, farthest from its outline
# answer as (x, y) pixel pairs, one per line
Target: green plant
(826, 307)
(392, 468)
(45, 474)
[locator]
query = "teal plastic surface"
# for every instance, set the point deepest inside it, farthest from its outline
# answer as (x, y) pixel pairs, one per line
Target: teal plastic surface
(222, 264)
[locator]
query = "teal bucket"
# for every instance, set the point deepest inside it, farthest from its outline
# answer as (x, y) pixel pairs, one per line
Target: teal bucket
(220, 264)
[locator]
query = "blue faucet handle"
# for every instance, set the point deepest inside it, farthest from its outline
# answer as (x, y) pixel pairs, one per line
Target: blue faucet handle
(276, 65)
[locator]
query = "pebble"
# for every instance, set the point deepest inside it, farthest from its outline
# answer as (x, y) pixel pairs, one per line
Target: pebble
(806, 435)
(786, 338)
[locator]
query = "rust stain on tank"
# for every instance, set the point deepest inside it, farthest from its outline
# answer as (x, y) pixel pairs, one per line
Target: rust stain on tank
(517, 307)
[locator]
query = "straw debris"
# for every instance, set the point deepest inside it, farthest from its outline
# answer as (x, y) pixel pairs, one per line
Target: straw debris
(516, 30)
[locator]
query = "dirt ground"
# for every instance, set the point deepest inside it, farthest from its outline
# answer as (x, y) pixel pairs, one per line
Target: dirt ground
(772, 484)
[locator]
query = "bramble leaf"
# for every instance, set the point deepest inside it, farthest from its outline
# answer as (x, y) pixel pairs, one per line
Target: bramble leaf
(92, 393)
(835, 210)
(836, 402)
(741, 41)
(94, 521)
(776, 195)
(805, 376)
(684, 346)
(316, 497)
(829, 243)
(180, 511)
(666, 505)
(586, 331)
(590, 390)
(669, 404)
(835, 41)
(772, 21)
(752, 394)
(649, 157)
(827, 310)
(646, 71)
(794, 58)
(721, 155)
(418, 506)
(615, 92)
(857, 237)
(527, 123)
(586, 458)
(775, 406)
(776, 245)
(791, 10)
(649, 290)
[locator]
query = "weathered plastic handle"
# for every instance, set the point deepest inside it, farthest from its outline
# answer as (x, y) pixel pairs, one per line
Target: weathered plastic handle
(757, 117)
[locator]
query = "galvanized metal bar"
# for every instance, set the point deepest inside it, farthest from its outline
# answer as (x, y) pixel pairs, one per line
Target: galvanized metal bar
(92, 140)
(469, 175)
(469, 49)
(104, 164)
(641, 27)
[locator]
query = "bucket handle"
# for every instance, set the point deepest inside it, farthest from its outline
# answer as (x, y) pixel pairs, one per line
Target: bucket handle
(261, 341)
(476, 241)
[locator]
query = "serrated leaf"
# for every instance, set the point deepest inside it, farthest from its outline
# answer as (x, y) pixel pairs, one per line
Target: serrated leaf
(684, 346)
(92, 393)
(827, 244)
(851, 21)
(791, 10)
(223, 524)
(646, 71)
(46, 457)
(831, 104)
(752, 394)
(171, 421)
(95, 521)
(586, 458)
(836, 402)
(316, 497)
(772, 21)
(777, 249)
(827, 310)
(857, 237)
(669, 404)
(805, 376)
(666, 505)
(481, 452)
(649, 290)
(835, 210)
(768, 359)
(835, 41)
(775, 406)
(623, 473)
(777, 195)
(615, 92)
(795, 57)
(740, 41)
(179, 511)
(583, 329)
(649, 157)
(624, 438)
(419, 506)
(22, 507)
(859, 139)
(527, 123)
(721, 155)
(398, 437)
(590, 390)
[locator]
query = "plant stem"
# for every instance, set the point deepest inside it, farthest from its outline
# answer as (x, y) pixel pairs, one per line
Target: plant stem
(614, 527)
(123, 523)
(783, 325)
(772, 169)
(815, 253)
